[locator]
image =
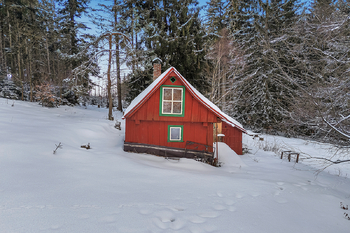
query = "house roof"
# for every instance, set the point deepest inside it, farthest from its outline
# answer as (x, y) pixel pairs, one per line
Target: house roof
(144, 96)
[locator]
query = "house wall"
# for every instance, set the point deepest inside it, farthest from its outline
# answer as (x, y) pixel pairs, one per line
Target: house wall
(156, 133)
(233, 137)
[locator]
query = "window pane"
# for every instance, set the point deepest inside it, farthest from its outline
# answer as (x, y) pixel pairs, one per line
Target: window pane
(167, 93)
(177, 107)
(166, 107)
(175, 133)
(177, 94)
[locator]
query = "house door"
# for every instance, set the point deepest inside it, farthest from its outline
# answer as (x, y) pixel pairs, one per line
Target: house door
(217, 129)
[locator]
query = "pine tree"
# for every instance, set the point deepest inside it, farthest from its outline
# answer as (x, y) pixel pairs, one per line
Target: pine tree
(263, 93)
(216, 17)
(74, 50)
(173, 31)
(324, 31)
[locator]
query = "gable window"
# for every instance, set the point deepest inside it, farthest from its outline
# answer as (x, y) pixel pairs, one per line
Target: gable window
(175, 133)
(172, 99)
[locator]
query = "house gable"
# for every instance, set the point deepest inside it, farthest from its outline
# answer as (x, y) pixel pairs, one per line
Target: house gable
(197, 108)
(193, 111)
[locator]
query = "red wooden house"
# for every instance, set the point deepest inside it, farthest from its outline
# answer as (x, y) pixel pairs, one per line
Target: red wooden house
(171, 118)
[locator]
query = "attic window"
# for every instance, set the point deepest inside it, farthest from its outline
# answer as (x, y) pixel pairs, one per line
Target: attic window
(172, 101)
(173, 79)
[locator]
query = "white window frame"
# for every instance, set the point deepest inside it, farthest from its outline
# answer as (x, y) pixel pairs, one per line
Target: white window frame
(180, 127)
(173, 101)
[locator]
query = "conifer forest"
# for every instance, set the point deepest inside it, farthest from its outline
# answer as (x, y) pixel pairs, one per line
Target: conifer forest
(277, 66)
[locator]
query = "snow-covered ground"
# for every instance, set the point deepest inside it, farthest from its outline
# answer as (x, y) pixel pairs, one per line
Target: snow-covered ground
(105, 189)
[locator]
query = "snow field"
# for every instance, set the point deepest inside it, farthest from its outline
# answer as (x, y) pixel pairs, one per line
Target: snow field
(105, 189)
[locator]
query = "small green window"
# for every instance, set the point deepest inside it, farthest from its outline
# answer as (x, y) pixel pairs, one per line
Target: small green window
(175, 133)
(173, 79)
(172, 101)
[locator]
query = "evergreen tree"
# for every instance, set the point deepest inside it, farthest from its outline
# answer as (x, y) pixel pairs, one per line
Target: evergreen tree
(216, 17)
(73, 47)
(263, 93)
(324, 32)
(72, 9)
(173, 31)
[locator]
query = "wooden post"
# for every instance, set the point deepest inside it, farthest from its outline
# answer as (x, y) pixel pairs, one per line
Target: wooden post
(217, 144)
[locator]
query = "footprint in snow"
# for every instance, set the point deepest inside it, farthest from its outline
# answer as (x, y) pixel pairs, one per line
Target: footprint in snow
(301, 185)
(281, 200)
(108, 219)
(165, 216)
(145, 211)
(219, 207)
(176, 208)
(196, 219)
(165, 223)
(232, 209)
(254, 194)
(209, 214)
(160, 224)
(219, 194)
(229, 202)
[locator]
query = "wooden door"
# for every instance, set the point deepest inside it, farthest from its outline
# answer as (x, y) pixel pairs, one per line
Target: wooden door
(217, 129)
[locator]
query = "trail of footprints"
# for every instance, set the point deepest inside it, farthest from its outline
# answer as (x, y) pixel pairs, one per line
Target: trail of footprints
(167, 218)
(176, 219)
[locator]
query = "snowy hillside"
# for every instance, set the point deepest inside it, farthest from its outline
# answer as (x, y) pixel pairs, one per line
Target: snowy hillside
(105, 189)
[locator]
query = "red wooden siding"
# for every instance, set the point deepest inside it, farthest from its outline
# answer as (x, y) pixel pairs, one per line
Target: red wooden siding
(233, 137)
(156, 133)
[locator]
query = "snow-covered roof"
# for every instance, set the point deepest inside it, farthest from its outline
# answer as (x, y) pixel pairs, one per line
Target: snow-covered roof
(143, 96)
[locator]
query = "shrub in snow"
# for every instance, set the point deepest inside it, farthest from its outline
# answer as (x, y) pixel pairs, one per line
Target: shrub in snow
(9, 90)
(70, 98)
(46, 96)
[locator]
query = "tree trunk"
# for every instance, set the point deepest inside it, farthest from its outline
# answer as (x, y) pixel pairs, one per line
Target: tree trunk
(48, 58)
(223, 90)
(2, 60)
(117, 60)
(109, 84)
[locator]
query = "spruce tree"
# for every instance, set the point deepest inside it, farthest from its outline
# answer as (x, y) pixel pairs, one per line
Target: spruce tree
(263, 93)
(74, 47)
(216, 17)
(174, 32)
